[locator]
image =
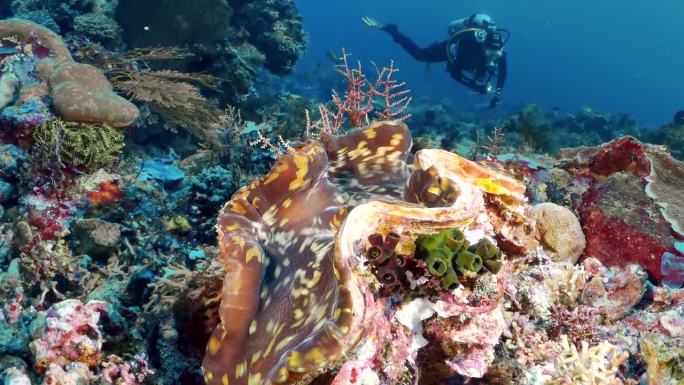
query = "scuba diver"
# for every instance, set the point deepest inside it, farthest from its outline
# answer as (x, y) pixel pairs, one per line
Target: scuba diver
(473, 52)
(678, 118)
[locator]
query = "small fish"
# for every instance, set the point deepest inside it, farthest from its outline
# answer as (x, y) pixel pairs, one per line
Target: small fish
(333, 56)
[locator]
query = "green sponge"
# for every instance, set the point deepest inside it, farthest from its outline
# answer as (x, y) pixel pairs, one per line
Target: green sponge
(447, 255)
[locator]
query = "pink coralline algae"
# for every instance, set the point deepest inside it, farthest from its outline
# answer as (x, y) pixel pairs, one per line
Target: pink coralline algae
(70, 334)
(613, 291)
(12, 311)
(68, 374)
(119, 372)
(631, 211)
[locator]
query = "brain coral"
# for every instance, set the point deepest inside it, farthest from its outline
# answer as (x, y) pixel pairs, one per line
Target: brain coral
(294, 303)
(79, 92)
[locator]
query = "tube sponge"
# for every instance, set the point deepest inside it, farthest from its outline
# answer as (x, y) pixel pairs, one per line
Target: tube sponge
(448, 254)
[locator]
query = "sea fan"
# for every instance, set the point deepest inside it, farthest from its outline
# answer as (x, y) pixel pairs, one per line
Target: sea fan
(170, 95)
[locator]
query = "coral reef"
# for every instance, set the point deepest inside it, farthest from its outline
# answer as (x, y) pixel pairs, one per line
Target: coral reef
(337, 262)
(98, 27)
(205, 23)
(334, 304)
(208, 191)
(532, 126)
(231, 39)
(274, 28)
(459, 331)
(671, 136)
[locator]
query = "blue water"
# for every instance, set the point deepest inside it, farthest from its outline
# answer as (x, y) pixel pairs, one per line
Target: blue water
(611, 55)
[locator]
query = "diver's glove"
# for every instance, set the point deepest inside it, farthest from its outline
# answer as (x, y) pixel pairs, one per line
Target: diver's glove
(371, 23)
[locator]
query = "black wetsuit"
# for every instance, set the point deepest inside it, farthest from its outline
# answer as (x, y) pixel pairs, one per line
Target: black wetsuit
(470, 58)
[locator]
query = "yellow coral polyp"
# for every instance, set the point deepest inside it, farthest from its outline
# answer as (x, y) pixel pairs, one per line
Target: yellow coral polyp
(490, 186)
(178, 224)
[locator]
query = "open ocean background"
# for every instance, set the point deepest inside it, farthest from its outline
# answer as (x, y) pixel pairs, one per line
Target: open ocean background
(611, 55)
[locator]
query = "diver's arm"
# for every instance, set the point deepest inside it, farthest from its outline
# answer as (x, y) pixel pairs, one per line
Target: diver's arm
(459, 75)
(502, 73)
(432, 53)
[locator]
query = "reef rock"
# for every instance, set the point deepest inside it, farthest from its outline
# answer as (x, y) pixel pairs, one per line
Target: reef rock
(631, 210)
(70, 335)
(74, 373)
(614, 291)
(97, 238)
(15, 376)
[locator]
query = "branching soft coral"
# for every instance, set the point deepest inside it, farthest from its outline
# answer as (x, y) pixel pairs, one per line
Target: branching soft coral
(169, 94)
(173, 95)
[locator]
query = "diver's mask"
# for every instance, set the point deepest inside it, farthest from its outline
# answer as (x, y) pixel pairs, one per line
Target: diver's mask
(493, 40)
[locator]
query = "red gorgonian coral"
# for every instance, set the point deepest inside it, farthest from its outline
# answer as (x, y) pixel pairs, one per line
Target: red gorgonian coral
(361, 99)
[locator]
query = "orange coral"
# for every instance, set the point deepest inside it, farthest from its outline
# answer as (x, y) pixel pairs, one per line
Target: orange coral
(108, 192)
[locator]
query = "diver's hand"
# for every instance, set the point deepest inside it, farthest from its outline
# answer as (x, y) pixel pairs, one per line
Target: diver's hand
(479, 88)
(371, 23)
